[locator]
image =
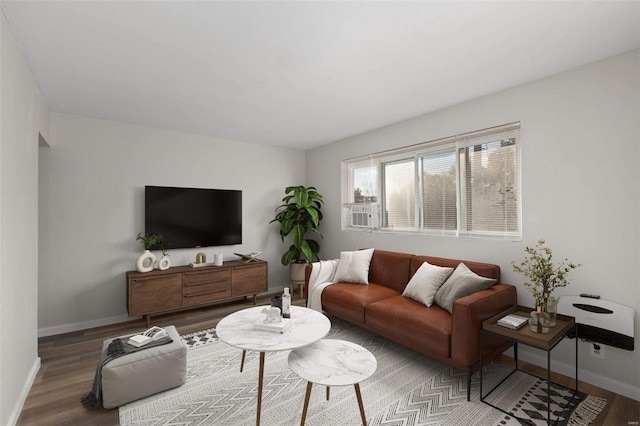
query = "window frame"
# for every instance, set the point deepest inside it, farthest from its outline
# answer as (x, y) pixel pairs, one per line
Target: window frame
(418, 154)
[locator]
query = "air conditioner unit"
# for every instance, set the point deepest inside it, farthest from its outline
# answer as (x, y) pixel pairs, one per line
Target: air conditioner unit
(363, 216)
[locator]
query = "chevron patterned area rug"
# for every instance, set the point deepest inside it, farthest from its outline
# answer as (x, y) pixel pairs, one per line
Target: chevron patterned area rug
(407, 389)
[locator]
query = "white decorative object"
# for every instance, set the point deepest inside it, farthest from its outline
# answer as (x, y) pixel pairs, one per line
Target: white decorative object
(164, 263)
(146, 261)
(273, 315)
(354, 266)
(425, 283)
(217, 259)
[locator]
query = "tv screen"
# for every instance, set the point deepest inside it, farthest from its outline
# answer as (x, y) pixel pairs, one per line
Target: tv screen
(192, 217)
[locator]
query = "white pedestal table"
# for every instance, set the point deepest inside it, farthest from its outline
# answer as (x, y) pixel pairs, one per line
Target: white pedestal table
(236, 329)
(332, 362)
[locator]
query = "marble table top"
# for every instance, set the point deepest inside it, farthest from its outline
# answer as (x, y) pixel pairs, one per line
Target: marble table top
(307, 326)
(333, 362)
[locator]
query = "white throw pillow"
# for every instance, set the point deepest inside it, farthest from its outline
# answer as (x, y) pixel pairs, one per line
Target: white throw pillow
(425, 282)
(353, 267)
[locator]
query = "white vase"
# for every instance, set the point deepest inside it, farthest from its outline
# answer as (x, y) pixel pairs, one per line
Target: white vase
(296, 271)
(164, 263)
(146, 261)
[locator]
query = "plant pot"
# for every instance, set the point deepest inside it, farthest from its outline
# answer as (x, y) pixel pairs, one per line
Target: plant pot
(551, 308)
(164, 263)
(539, 321)
(296, 271)
(146, 261)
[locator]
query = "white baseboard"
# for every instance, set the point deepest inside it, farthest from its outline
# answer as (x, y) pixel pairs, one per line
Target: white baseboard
(76, 326)
(24, 392)
(569, 370)
(67, 328)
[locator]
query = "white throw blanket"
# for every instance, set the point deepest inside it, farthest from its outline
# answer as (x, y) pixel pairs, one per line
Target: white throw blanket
(321, 276)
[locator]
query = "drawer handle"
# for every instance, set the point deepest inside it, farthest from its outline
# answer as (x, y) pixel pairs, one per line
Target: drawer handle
(208, 292)
(207, 282)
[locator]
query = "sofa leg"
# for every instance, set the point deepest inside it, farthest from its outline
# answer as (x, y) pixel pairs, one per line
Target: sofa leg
(469, 373)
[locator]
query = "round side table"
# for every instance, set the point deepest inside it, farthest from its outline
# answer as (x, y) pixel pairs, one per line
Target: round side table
(236, 329)
(332, 362)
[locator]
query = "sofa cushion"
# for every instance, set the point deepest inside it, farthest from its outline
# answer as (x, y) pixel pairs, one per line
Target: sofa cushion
(348, 301)
(425, 282)
(462, 282)
(488, 270)
(411, 323)
(391, 269)
(353, 267)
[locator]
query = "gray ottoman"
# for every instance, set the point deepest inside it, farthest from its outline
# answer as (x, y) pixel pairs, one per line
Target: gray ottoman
(144, 373)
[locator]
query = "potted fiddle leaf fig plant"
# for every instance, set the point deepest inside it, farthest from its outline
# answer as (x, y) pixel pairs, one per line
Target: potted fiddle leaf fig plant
(298, 215)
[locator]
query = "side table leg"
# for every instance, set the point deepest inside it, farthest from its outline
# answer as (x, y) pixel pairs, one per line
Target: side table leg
(359, 396)
(306, 403)
(244, 352)
(260, 381)
(576, 358)
(481, 367)
(548, 387)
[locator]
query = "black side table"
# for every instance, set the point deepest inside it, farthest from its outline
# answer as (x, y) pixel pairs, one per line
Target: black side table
(546, 342)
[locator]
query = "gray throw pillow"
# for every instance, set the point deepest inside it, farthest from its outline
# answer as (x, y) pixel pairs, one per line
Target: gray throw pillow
(462, 282)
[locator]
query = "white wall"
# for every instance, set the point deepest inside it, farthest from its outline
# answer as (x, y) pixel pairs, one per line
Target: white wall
(22, 116)
(92, 207)
(580, 151)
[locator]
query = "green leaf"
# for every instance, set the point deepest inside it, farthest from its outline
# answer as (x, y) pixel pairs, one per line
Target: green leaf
(298, 214)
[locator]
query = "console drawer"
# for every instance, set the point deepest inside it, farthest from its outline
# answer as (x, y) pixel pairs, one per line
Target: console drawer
(204, 293)
(208, 276)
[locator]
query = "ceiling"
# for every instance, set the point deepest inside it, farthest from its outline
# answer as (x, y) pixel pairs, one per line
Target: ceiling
(301, 74)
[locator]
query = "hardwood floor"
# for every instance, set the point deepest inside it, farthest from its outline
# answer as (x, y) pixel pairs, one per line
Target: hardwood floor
(69, 363)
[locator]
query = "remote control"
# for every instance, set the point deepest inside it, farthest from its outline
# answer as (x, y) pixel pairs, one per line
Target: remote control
(590, 296)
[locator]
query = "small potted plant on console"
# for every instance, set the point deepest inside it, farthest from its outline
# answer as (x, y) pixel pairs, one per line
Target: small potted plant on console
(147, 260)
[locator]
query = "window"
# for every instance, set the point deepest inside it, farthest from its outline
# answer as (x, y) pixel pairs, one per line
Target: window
(463, 185)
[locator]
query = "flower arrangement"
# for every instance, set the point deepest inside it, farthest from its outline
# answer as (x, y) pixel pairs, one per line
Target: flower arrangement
(542, 275)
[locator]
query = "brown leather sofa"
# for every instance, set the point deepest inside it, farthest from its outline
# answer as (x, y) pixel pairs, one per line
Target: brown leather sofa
(381, 308)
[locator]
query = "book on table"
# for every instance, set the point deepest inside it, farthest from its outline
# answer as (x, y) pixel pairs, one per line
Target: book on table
(279, 327)
(151, 335)
(514, 322)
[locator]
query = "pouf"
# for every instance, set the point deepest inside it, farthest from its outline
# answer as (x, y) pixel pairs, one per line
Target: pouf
(143, 373)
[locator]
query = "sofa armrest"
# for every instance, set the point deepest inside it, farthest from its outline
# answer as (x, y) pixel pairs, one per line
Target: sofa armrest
(307, 276)
(468, 314)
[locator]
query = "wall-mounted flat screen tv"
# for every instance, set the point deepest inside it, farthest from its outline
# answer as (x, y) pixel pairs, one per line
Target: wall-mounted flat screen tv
(193, 217)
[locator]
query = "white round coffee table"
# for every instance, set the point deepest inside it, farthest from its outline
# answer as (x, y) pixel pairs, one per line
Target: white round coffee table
(236, 329)
(331, 362)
